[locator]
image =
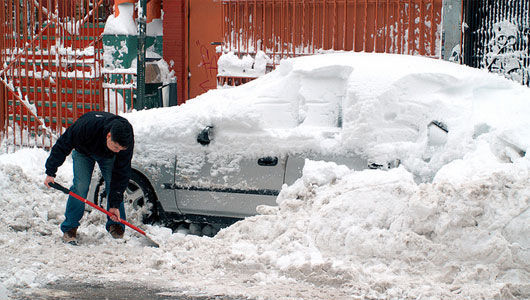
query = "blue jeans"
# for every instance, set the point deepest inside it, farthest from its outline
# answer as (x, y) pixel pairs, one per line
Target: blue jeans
(83, 167)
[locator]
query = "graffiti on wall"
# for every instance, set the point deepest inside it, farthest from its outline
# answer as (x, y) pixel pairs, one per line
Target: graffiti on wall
(208, 64)
(505, 53)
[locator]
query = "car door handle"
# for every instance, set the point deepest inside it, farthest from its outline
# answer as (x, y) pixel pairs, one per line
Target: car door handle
(268, 161)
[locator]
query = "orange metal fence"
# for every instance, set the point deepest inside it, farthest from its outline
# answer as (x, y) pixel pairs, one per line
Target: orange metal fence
(288, 28)
(50, 71)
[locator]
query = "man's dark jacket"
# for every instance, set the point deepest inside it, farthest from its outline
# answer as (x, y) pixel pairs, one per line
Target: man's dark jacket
(88, 135)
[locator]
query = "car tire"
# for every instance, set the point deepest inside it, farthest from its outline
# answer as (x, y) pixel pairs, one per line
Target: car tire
(137, 195)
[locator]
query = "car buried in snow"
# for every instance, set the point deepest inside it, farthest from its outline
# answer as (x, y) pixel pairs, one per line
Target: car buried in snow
(220, 156)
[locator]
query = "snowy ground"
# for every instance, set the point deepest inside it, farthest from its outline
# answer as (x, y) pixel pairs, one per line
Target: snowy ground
(454, 226)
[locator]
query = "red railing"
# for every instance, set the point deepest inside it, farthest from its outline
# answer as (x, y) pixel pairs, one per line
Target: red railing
(50, 70)
(289, 28)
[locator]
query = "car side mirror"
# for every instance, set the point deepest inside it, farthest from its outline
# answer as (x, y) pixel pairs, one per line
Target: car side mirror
(205, 136)
(437, 133)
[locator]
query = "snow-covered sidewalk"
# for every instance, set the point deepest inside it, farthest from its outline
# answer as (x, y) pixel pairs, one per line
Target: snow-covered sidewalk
(336, 235)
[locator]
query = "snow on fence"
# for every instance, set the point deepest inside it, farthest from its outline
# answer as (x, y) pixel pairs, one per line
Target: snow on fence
(49, 67)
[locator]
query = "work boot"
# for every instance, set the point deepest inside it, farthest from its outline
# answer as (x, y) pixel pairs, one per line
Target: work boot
(116, 231)
(70, 236)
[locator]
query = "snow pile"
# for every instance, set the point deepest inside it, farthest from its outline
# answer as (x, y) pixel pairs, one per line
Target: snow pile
(451, 222)
(382, 233)
(3, 292)
(155, 28)
(247, 66)
(124, 23)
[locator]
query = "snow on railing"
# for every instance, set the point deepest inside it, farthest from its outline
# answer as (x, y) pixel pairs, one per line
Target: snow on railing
(49, 67)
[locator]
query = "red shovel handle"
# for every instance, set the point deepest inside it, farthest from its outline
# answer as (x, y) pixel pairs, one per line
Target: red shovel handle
(67, 191)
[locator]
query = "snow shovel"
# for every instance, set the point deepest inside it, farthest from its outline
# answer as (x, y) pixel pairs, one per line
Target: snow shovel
(67, 191)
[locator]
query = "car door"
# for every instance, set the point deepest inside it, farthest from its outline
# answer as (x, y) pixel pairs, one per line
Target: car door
(233, 193)
(230, 186)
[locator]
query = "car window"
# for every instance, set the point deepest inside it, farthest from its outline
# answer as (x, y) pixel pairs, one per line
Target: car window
(321, 107)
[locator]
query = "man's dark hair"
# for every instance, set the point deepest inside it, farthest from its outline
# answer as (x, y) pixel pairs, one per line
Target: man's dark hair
(121, 133)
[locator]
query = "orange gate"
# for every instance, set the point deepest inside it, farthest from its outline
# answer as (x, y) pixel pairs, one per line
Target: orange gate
(49, 66)
(289, 28)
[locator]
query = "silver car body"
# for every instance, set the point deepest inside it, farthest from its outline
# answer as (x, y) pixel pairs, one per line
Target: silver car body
(224, 153)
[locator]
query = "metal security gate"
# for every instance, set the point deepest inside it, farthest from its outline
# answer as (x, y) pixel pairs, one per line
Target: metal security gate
(289, 28)
(497, 37)
(49, 66)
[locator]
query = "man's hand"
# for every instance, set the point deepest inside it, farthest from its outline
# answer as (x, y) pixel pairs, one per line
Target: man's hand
(48, 179)
(115, 214)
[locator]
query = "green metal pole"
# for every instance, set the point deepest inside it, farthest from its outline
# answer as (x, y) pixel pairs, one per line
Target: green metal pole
(140, 67)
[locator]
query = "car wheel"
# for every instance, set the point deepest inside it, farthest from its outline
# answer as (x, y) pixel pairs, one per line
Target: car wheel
(139, 199)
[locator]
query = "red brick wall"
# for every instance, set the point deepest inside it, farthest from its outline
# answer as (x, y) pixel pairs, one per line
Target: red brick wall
(174, 43)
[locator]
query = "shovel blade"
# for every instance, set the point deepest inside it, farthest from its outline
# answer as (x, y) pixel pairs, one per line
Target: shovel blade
(147, 241)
